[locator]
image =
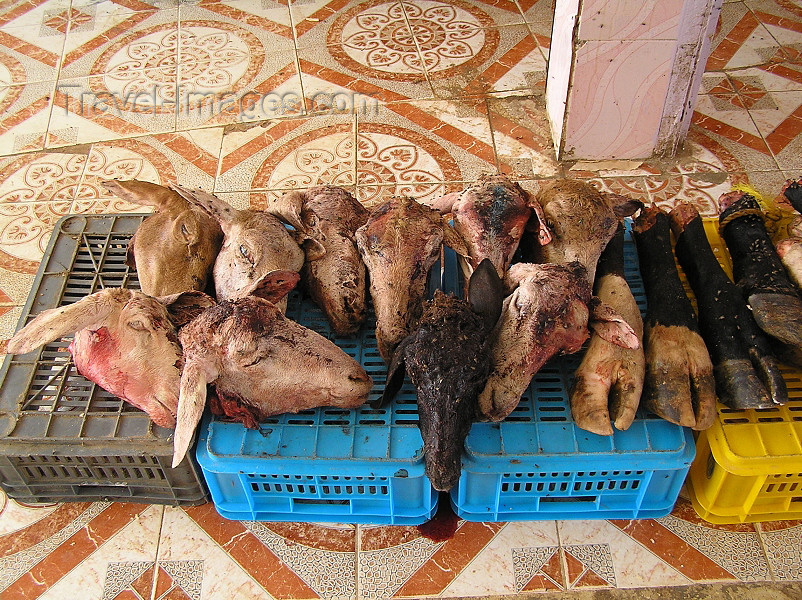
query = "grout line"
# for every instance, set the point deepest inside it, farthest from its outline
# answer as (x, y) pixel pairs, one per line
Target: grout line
(769, 565)
(156, 557)
(418, 50)
(296, 57)
(357, 552)
(489, 114)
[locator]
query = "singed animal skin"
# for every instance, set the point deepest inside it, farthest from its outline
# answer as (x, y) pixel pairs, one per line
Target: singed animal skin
(125, 341)
(545, 315)
(790, 252)
(399, 244)
(174, 249)
(491, 217)
(447, 358)
(549, 311)
(610, 378)
(325, 220)
(255, 244)
(261, 364)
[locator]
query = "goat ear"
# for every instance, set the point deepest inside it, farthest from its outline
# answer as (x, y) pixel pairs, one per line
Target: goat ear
(219, 210)
(185, 228)
(191, 401)
(445, 204)
(454, 240)
(185, 306)
(288, 209)
(139, 192)
(313, 249)
(537, 222)
(623, 206)
(611, 326)
(486, 293)
(54, 323)
(396, 372)
(274, 286)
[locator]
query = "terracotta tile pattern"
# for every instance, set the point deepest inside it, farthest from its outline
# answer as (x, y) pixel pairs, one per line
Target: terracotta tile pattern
(415, 97)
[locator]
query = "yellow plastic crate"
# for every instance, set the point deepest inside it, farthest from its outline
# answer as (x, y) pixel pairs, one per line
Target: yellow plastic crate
(748, 465)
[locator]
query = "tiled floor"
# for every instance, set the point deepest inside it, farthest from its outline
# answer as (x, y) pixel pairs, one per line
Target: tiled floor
(94, 89)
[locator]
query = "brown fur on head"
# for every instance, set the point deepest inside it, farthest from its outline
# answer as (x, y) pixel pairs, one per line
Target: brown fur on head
(581, 220)
(173, 249)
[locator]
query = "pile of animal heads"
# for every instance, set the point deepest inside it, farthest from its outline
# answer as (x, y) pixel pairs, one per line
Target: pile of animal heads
(259, 261)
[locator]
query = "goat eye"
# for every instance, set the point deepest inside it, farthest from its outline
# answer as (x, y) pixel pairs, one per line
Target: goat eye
(184, 230)
(137, 325)
(245, 253)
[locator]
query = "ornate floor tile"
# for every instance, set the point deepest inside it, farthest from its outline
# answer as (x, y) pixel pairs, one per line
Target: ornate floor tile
(538, 568)
(741, 41)
(539, 15)
(37, 191)
(24, 117)
(95, 534)
(368, 41)
(284, 560)
(700, 550)
(522, 137)
(247, 16)
(603, 555)
(36, 22)
(128, 5)
(124, 42)
(8, 324)
(188, 158)
(498, 59)
(782, 541)
(23, 62)
(398, 562)
(519, 556)
(702, 191)
(241, 88)
(372, 195)
(288, 153)
(101, 107)
(445, 142)
(123, 561)
(499, 12)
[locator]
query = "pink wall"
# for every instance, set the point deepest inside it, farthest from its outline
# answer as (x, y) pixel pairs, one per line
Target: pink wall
(623, 56)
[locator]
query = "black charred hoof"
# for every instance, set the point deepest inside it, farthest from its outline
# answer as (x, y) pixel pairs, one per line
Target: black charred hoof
(739, 386)
(779, 315)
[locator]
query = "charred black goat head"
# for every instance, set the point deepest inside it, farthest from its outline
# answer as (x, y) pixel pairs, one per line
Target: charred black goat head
(447, 358)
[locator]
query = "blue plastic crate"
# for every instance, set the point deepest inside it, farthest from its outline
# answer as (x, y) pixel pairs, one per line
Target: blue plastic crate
(324, 465)
(537, 464)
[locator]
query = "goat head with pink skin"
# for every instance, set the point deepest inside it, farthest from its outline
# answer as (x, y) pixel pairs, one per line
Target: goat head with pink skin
(546, 313)
(491, 217)
(324, 220)
(255, 244)
(261, 364)
(125, 341)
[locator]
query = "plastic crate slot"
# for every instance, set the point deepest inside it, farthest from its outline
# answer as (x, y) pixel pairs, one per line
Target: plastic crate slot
(573, 499)
(320, 501)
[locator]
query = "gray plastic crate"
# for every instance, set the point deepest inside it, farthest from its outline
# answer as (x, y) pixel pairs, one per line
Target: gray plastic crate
(63, 438)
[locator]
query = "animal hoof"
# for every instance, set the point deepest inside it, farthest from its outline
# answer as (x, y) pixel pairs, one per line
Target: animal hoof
(779, 315)
(739, 387)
